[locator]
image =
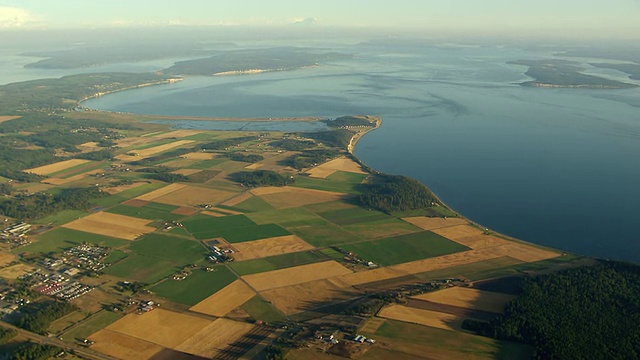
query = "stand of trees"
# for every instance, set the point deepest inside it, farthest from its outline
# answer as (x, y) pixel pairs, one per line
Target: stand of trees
(39, 205)
(311, 158)
(589, 312)
(169, 177)
(292, 144)
(396, 193)
(6, 335)
(338, 137)
(263, 178)
(33, 351)
(348, 121)
(248, 158)
(39, 316)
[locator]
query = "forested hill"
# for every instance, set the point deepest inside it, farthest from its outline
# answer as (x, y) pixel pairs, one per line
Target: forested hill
(585, 313)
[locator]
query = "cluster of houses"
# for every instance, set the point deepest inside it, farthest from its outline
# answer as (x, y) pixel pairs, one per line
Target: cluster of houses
(146, 306)
(87, 257)
(218, 254)
(180, 275)
(16, 233)
(355, 258)
(61, 287)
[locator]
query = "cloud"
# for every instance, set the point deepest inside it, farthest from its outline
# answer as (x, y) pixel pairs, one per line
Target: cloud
(12, 17)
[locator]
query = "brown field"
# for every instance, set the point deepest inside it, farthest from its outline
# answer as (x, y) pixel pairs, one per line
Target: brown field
(199, 156)
(185, 210)
(13, 272)
(214, 338)
(185, 172)
(524, 253)
(212, 213)
(5, 258)
(109, 224)
(295, 275)
(225, 300)
(268, 190)
(368, 276)
(55, 167)
(150, 196)
(482, 241)
(340, 164)
(458, 231)
(428, 223)
(35, 187)
(60, 181)
(422, 317)
(194, 195)
(238, 199)
(145, 153)
(372, 325)
(7, 118)
(122, 346)
(89, 146)
(288, 196)
(309, 295)
(162, 327)
(135, 203)
(269, 247)
(254, 166)
(469, 298)
(117, 189)
(177, 134)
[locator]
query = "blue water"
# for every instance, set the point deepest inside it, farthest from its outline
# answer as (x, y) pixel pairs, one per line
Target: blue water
(557, 167)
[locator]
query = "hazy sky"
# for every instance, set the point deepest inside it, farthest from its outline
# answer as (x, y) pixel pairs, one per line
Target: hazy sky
(586, 17)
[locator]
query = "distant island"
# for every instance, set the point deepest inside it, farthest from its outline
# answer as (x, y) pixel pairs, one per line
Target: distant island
(253, 61)
(632, 69)
(555, 73)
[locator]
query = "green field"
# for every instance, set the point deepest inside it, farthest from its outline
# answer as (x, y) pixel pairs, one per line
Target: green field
(204, 224)
(59, 239)
(340, 181)
(284, 216)
(323, 233)
(404, 248)
(196, 287)
(207, 164)
(262, 310)
(353, 216)
(62, 217)
(90, 326)
(277, 262)
(145, 269)
(248, 233)
(381, 228)
(128, 194)
(253, 204)
(151, 211)
(444, 343)
(115, 256)
(178, 251)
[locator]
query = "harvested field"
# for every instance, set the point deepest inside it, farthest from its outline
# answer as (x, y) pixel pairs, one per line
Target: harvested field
(55, 167)
(122, 346)
(254, 166)
(136, 203)
(213, 214)
(118, 189)
(469, 298)
(340, 164)
(199, 156)
(7, 118)
(287, 196)
(193, 195)
(150, 196)
(225, 300)
(109, 224)
(422, 317)
(13, 272)
(5, 258)
(428, 223)
(145, 153)
(89, 146)
(295, 275)
(162, 327)
(310, 295)
(186, 172)
(238, 199)
(269, 247)
(185, 210)
(458, 231)
(482, 241)
(214, 338)
(177, 134)
(524, 253)
(369, 276)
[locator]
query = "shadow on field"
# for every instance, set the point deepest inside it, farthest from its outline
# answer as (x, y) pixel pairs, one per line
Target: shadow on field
(246, 343)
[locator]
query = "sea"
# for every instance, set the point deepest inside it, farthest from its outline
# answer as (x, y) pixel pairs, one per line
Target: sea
(555, 167)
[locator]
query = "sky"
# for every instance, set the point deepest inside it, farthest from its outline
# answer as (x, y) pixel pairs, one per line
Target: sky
(599, 18)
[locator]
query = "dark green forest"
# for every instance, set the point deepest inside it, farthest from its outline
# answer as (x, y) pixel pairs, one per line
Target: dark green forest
(584, 313)
(38, 316)
(396, 193)
(262, 178)
(39, 205)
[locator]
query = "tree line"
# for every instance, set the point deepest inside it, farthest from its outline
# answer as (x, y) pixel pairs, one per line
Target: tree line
(391, 193)
(38, 205)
